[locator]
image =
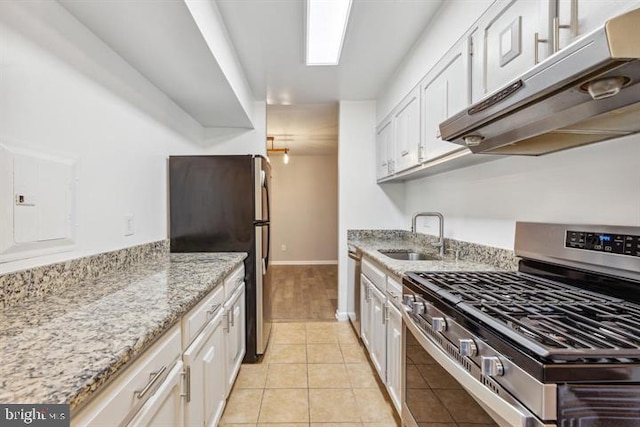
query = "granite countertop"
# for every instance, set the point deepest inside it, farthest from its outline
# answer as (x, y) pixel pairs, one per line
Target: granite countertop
(63, 348)
(369, 243)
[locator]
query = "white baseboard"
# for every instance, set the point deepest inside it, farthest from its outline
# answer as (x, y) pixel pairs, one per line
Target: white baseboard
(315, 262)
(342, 316)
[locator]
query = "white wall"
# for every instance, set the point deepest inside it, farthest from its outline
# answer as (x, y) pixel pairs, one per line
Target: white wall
(597, 184)
(240, 141)
(361, 202)
(304, 210)
(63, 92)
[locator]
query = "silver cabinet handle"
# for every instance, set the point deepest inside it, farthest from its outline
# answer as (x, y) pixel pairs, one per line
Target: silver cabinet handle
(232, 316)
(226, 322)
(213, 309)
(536, 53)
(572, 26)
(187, 378)
(419, 152)
(155, 376)
(404, 152)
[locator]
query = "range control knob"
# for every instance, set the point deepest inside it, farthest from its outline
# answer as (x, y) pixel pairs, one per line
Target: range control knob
(468, 347)
(419, 308)
(439, 324)
(492, 366)
(408, 299)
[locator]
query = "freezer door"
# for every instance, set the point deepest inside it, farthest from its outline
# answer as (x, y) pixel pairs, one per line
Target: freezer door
(264, 291)
(262, 177)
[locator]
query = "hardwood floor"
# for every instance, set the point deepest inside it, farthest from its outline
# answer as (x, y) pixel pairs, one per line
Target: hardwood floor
(304, 292)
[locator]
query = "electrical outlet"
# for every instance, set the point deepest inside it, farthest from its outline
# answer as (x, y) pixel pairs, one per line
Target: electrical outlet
(128, 225)
(283, 248)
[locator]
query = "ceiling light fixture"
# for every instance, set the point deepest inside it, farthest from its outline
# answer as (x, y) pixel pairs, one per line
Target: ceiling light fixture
(326, 28)
(270, 139)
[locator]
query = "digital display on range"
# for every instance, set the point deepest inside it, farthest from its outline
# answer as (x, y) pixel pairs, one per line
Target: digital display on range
(621, 244)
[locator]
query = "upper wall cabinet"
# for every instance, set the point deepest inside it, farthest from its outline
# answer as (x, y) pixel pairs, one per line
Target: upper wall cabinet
(445, 91)
(406, 131)
(384, 148)
(578, 17)
(513, 36)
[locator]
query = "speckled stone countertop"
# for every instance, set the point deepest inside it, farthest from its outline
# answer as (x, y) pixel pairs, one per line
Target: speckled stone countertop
(63, 348)
(470, 257)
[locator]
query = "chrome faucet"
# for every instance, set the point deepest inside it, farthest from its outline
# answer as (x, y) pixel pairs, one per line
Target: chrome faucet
(440, 217)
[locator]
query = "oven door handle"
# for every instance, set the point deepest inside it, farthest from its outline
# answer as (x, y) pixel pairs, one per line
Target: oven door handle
(512, 415)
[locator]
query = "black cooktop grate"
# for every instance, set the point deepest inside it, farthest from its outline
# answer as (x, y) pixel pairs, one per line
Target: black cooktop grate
(550, 319)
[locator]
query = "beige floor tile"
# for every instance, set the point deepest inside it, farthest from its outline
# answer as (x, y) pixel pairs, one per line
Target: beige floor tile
(320, 332)
(372, 406)
(328, 375)
(238, 425)
(287, 353)
(324, 353)
(391, 424)
(287, 375)
(284, 406)
(242, 407)
(283, 425)
(361, 375)
(290, 333)
(336, 424)
(251, 376)
(333, 405)
(353, 353)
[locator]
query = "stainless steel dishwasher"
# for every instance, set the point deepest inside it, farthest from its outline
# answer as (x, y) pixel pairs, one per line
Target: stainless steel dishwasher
(353, 288)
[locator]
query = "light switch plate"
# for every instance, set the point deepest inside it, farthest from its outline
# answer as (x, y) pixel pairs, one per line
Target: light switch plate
(128, 225)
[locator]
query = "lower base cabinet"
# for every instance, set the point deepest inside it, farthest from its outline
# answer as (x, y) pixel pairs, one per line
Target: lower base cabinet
(394, 355)
(167, 388)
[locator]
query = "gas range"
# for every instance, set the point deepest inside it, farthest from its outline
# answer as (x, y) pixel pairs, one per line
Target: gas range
(559, 340)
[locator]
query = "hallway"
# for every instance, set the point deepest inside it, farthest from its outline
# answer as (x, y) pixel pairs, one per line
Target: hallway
(304, 292)
(313, 373)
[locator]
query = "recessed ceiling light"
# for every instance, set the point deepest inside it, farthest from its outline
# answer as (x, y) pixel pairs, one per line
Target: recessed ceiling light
(326, 27)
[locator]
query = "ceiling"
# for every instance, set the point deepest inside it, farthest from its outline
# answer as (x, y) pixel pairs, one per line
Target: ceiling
(269, 39)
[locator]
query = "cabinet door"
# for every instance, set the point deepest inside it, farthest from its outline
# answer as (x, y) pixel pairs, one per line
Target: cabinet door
(509, 31)
(378, 332)
(236, 345)
(445, 92)
(579, 17)
(165, 407)
(394, 355)
(406, 131)
(365, 311)
(205, 364)
(384, 139)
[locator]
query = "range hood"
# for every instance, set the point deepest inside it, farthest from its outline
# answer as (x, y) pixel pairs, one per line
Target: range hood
(587, 92)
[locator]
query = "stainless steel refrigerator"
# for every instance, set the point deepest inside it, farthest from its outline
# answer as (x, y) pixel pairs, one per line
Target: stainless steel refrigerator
(221, 204)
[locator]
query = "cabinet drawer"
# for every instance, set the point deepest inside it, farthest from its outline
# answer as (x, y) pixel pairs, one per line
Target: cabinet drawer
(198, 316)
(116, 402)
(233, 280)
(394, 291)
(373, 273)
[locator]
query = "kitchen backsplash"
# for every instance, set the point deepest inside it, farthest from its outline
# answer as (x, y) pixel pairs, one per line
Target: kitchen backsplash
(503, 259)
(40, 281)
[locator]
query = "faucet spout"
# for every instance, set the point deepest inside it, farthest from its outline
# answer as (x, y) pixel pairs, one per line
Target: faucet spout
(440, 243)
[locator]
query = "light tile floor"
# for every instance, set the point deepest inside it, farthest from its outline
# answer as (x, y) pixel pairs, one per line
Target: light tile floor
(314, 374)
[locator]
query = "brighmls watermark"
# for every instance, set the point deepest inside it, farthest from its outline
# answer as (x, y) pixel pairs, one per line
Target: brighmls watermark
(34, 415)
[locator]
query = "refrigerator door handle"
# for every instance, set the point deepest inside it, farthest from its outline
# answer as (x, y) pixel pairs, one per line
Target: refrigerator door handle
(264, 266)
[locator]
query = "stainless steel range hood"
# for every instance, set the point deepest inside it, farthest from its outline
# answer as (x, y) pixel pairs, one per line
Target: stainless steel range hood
(587, 92)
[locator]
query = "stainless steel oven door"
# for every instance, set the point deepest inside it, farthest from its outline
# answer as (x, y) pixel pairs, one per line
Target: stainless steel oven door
(438, 390)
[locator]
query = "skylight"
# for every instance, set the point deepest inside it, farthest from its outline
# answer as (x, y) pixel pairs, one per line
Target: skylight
(326, 26)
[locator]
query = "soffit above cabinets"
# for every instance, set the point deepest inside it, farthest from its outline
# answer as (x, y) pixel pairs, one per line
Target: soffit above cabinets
(171, 46)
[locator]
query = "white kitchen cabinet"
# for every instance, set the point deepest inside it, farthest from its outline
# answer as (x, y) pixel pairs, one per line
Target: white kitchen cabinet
(121, 399)
(385, 148)
(406, 131)
(394, 355)
(378, 341)
(514, 35)
(445, 92)
(579, 17)
(165, 407)
(205, 369)
(365, 311)
(235, 329)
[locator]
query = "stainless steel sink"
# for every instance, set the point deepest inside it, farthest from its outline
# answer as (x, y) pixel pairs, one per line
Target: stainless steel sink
(408, 255)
